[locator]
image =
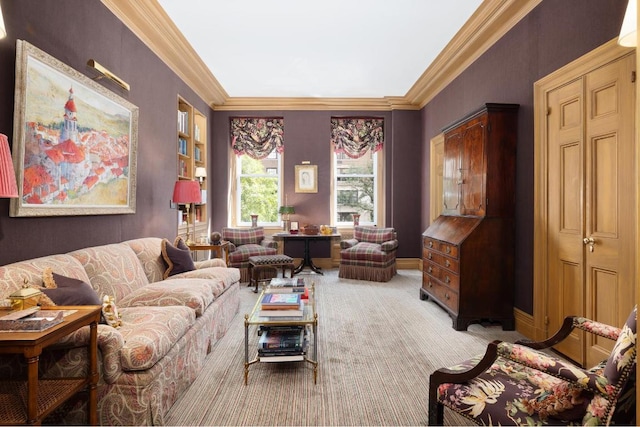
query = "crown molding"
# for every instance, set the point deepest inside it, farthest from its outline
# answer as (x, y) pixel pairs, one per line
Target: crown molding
(149, 22)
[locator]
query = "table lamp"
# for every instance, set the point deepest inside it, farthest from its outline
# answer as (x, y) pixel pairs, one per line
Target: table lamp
(185, 193)
(8, 187)
(286, 212)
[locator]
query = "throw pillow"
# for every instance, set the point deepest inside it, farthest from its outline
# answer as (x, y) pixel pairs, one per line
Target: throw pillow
(110, 312)
(70, 291)
(177, 258)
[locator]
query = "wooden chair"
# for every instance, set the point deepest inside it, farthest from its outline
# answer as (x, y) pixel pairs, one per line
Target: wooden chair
(515, 384)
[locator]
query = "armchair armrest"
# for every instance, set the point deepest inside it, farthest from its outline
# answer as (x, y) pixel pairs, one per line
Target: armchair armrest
(568, 325)
(269, 243)
(554, 366)
(348, 243)
(390, 245)
(232, 247)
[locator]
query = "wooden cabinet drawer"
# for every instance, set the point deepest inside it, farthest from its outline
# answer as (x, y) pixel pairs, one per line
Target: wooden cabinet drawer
(447, 277)
(441, 293)
(439, 246)
(443, 261)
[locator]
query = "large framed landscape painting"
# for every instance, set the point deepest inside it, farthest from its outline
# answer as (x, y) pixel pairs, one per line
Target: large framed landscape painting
(74, 141)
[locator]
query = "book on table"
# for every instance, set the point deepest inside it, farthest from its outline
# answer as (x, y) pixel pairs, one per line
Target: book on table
(286, 285)
(280, 301)
(291, 311)
(283, 344)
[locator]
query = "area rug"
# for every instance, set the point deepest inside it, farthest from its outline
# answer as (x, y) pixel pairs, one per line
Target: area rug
(378, 344)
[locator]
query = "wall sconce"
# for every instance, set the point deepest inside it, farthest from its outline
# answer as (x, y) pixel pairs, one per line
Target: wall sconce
(108, 74)
(3, 29)
(201, 173)
(629, 29)
(8, 187)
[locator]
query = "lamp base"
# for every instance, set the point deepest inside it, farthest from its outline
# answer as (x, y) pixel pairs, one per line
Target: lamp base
(286, 225)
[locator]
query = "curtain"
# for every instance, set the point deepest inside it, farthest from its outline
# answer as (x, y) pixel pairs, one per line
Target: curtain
(354, 136)
(257, 136)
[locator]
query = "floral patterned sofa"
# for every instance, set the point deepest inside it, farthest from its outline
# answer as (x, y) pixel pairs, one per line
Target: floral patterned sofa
(515, 384)
(168, 326)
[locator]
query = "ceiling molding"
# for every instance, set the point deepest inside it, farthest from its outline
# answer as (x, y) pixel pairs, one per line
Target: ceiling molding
(367, 104)
(148, 20)
(492, 20)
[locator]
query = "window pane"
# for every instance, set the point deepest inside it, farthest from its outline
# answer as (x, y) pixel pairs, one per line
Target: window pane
(348, 166)
(258, 185)
(355, 195)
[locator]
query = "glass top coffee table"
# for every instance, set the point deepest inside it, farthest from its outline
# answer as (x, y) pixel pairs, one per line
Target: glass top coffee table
(307, 321)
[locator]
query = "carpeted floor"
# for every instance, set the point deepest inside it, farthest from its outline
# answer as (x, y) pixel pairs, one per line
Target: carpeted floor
(378, 343)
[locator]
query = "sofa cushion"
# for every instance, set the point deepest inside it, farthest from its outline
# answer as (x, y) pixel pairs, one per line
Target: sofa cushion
(112, 269)
(196, 294)
(219, 278)
(365, 251)
(13, 276)
(149, 252)
(150, 332)
(177, 258)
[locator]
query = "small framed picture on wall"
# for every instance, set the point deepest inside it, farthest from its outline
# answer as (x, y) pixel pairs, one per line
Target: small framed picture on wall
(306, 178)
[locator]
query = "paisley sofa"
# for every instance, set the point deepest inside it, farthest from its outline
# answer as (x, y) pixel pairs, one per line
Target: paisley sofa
(168, 326)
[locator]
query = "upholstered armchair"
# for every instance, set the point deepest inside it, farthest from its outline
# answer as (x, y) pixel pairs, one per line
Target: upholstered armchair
(369, 255)
(515, 384)
(244, 243)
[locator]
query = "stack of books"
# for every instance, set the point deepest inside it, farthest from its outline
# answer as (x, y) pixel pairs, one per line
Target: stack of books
(288, 285)
(282, 343)
(281, 304)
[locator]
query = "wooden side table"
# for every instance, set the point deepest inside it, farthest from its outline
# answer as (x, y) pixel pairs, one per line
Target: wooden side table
(42, 396)
(215, 249)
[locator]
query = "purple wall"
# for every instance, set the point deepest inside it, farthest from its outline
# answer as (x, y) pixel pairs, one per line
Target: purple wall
(552, 35)
(74, 31)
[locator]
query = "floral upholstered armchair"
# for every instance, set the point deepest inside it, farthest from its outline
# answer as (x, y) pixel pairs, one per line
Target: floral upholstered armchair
(370, 255)
(514, 384)
(245, 243)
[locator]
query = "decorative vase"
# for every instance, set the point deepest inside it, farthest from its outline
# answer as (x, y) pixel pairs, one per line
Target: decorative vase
(254, 220)
(356, 219)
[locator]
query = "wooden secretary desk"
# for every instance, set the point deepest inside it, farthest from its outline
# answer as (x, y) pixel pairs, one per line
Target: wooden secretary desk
(468, 251)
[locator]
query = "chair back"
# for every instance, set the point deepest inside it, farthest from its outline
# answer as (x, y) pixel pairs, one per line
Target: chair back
(243, 236)
(370, 234)
(620, 372)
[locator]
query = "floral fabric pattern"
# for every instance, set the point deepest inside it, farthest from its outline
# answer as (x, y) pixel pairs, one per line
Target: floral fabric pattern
(257, 137)
(354, 136)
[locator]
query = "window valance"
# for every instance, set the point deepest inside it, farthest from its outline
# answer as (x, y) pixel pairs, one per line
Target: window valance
(257, 137)
(354, 136)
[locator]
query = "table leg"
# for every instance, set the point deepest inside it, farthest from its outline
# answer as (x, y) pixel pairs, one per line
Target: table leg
(246, 349)
(307, 261)
(32, 392)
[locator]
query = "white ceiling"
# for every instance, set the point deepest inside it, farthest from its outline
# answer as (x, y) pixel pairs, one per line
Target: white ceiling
(325, 48)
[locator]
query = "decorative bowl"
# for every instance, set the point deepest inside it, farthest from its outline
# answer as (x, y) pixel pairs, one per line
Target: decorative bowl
(311, 230)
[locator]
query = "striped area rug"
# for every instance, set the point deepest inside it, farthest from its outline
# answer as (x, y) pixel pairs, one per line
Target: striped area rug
(378, 344)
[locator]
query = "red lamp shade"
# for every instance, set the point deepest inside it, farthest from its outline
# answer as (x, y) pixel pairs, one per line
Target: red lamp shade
(8, 187)
(185, 192)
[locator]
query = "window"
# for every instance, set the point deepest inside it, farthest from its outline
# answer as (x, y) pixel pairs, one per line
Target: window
(356, 188)
(257, 185)
(357, 170)
(257, 146)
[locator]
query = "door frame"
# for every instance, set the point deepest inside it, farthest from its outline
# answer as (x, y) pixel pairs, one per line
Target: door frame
(598, 57)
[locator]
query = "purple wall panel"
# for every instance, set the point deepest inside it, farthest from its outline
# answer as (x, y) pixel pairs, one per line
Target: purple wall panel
(74, 31)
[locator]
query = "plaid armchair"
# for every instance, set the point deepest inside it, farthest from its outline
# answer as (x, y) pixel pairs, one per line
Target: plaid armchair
(370, 255)
(514, 384)
(245, 243)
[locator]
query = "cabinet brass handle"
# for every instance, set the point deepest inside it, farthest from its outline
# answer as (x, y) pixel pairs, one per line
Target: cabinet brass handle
(447, 263)
(446, 295)
(447, 279)
(448, 249)
(430, 244)
(430, 270)
(430, 284)
(429, 255)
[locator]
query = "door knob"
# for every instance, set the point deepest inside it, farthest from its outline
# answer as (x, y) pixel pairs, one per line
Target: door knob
(589, 241)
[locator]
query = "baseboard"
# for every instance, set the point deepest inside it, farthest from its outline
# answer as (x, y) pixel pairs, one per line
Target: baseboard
(525, 324)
